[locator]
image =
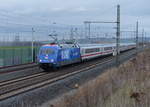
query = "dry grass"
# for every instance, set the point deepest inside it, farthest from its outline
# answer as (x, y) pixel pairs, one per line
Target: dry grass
(126, 86)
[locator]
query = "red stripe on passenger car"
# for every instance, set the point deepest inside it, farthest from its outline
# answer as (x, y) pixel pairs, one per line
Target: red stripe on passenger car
(100, 53)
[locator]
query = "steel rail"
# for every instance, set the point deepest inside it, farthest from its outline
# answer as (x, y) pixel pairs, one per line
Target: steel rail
(22, 89)
(26, 88)
(20, 79)
(11, 66)
(17, 68)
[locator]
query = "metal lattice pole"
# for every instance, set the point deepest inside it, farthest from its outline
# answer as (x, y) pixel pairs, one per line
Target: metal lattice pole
(137, 27)
(89, 31)
(32, 45)
(143, 38)
(118, 35)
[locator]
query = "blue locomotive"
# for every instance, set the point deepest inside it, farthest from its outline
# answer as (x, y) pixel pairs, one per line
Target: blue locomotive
(54, 55)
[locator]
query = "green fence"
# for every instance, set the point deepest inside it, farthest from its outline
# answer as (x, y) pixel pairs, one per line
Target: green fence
(16, 55)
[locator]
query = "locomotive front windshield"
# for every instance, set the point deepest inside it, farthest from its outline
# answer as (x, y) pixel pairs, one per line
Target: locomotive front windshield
(46, 51)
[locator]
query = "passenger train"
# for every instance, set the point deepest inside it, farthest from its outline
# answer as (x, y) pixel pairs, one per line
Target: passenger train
(57, 55)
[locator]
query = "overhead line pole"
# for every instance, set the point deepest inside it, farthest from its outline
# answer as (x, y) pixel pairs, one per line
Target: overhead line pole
(33, 44)
(142, 38)
(89, 30)
(145, 41)
(137, 28)
(118, 35)
(117, 32)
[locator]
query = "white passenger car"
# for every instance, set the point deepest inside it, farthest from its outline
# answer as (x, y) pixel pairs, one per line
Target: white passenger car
(89, 51)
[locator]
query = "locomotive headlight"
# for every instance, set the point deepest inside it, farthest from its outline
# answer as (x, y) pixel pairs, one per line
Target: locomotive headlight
(52, 60)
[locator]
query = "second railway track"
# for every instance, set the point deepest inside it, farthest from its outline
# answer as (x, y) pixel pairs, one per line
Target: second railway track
(9, 69)
(9, 89)
(5, 83)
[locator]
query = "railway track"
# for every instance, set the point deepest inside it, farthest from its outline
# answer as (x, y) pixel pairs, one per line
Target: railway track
(21, 85)
(6, 83)
(18, 73)
(9, 69)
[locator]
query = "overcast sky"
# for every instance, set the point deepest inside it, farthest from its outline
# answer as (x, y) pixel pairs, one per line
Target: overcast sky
(75, 11)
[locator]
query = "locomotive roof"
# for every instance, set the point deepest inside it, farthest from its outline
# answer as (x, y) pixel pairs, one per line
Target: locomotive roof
(104, 45)
(60, 45)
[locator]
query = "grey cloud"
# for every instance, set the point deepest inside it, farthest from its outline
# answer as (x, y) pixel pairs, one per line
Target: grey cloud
(76, 11)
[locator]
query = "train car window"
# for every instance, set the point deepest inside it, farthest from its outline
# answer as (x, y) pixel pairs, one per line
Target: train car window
(97, 50)
(100, 49)
(107, 48)
(92, 50)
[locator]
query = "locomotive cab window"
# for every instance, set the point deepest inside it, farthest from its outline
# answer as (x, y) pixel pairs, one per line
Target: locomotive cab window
(47, 51)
